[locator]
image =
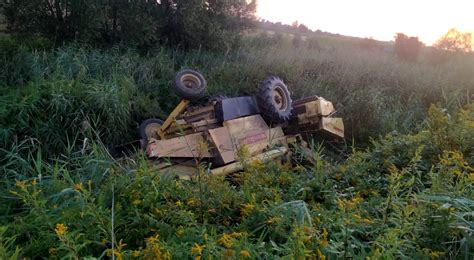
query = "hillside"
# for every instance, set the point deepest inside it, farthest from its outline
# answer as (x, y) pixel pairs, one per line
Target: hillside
(403, 188)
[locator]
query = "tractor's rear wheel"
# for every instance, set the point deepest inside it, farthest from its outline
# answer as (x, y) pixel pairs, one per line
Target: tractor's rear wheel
(274, 100)
(190, 85)
(149, 128)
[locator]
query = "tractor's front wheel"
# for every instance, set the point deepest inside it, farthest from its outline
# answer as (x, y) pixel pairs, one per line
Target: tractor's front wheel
(149, 128)
(274, 100)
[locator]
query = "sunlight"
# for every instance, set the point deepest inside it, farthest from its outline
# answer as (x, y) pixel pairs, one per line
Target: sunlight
(369, 18)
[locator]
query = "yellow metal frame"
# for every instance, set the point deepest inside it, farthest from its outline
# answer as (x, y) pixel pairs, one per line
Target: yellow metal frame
(172, 117)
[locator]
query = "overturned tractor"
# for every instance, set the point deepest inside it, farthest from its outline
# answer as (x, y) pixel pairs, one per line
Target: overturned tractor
(266, 125)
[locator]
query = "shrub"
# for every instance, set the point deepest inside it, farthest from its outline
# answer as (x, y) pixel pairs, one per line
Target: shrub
(407, 48)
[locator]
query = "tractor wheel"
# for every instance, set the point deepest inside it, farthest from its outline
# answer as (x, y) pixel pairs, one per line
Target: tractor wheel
(149, 128)
(274, 100)
(190, 85)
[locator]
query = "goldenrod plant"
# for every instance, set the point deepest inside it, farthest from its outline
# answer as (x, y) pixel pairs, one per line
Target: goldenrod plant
(404, 188)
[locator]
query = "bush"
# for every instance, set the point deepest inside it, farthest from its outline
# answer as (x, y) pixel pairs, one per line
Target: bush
(407, 48)
(188, 24)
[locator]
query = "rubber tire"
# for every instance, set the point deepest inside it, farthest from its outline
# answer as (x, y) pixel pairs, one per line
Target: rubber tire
(145, 124)
(266, 102)
(185, 92)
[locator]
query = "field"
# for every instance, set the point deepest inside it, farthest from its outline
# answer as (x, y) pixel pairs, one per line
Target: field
(402, 188)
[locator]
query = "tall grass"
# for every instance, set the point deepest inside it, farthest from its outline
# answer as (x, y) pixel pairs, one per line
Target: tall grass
(115, 89)
(409, 195)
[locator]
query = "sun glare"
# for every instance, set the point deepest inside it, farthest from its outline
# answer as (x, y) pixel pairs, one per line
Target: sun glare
(379, 19)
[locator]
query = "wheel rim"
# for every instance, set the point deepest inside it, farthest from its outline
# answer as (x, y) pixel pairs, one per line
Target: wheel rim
(279, 98)
(190, 81)
(151, 130)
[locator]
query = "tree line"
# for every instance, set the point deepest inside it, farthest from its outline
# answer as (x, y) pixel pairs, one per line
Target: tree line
(210, 24)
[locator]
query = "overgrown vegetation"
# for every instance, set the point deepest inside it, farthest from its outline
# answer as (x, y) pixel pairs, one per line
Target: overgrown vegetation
(188, 24)
(406, 196)
(405, 190)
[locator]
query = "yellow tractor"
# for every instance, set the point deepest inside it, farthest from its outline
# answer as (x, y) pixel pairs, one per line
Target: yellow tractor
(266, 126)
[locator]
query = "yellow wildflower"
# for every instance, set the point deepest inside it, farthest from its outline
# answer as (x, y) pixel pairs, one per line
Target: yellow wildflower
(470, 177)
(257, 164)
(192, 202)
(60, 229)
(367, 221)
(436, 254)
(166, 255)
(197, 249)
(246, 209)
(157, 211)
(226, 240)
(340, 203)
(52, 251)
(136, 202)
(229, 253)
(78, 187)
(152, 240)
(323, 242)
(21, 184)
(348, 204)
(152, 251)
(121, 245)
(316, 220)
(117, 251)
(237, 234)
(178, 203)
(354, 201)
(244, 254)
(135, 253)
(180, 231)
(282, 180)
(117, 254)
(273, 220)
(325, 233)
(320, 255)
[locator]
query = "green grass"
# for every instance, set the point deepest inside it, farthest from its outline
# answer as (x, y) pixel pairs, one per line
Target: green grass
(407, 194)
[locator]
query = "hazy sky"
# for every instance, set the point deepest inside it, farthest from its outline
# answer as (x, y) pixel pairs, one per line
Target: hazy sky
(380, 19)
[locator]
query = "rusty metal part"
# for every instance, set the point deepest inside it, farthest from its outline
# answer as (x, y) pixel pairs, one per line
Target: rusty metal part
(172, 117)
(313, 115)
(279, 98)
(188, 146)
(191, 81)
(263, 157)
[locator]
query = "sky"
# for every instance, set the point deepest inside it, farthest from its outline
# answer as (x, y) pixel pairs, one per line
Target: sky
(378, 19)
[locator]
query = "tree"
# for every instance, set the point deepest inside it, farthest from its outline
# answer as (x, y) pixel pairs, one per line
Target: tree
(407, 48)
(212, 24)
(303, 28)
(456, 41)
